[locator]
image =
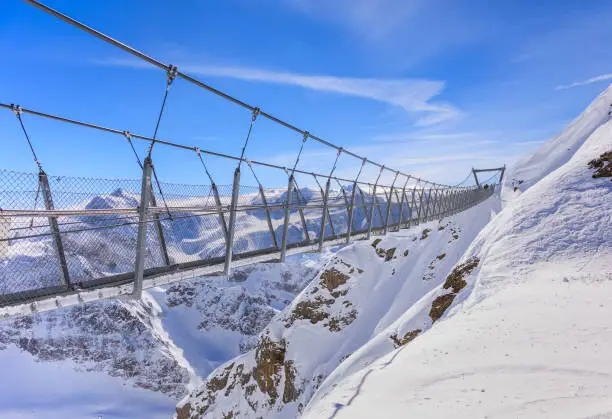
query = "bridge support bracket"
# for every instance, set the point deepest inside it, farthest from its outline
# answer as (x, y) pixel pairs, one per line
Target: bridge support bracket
(58, 244)
(143, 209)
(229, 244)
(289, 198)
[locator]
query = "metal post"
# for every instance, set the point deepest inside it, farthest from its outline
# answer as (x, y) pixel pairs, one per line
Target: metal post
(501, 177)
(435, 203)
(325, 196)
(43, 181)
(420, 211)
(286, 224)
(141, 238)
(219, 205)
(301, 211)
(475, 177)
(379, 210)
(412, 207)
(351, 210)
(388, 212)
(324, 215)
(364, 203)
(401, 207)
(160, 231)
(268, 218)
(371, 216)
(229, 244)
(427, 205)
(372, 201)
(389, 203)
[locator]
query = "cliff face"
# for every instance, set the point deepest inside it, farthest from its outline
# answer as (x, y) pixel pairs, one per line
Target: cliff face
(122, 339)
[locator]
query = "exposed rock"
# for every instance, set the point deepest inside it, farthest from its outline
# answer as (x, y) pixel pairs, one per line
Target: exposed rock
(332, 278)
(455, 278)
(408, 337)
(269, 358)
(439, 306)
(456, 282)
(603, 165)
(313, 310)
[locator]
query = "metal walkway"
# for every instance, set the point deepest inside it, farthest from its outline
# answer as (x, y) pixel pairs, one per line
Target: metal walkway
(66, 240)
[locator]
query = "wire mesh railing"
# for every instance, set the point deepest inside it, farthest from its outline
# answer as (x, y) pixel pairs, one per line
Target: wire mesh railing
(98, 222)
(65, 235)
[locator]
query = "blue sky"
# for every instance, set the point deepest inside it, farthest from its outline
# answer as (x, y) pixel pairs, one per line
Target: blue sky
(430, 87)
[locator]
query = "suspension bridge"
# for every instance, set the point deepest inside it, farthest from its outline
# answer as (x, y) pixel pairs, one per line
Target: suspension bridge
(67, 240)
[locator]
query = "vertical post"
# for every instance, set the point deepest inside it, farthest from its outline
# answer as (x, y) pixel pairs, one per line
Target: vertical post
(412, 206)
(141, 238)
(268, 218)
(364, 203)
(371, 216)
(390, 203)
(58, 244)
(501, 177)
(325, 196)
(324, 215)
(351, 210)
(401, 214)
(219, 205)
(229, 244)
(426, 215)
(475, 176)
(379, 210)
(160, 231)
(287, 214)
(435, 202)
(388, 213)
(420, 211)
(373, 200)
(301, 211)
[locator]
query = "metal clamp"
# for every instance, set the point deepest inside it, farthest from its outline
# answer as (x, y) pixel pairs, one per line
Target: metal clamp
(172, 73)
(16, 110)
(256, 112)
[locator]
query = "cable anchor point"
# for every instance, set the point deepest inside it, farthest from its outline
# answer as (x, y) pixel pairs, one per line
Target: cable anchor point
(16, 110)
(172, 72)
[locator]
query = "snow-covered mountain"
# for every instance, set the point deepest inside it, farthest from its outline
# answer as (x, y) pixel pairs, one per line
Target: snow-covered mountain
(156, 349)
(357, 296)
(524, 319)
(466, 318)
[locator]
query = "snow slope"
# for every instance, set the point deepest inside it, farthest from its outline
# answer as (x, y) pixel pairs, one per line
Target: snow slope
(526, 331)
(359, 294)
(131, 359)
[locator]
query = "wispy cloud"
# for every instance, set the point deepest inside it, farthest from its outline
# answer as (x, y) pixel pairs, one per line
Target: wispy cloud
(374, 20)
(596, 79)
(413, 95)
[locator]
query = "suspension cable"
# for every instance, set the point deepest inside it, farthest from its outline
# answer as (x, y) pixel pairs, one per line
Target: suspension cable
(171, 75)
(18, 111)
(128, 137)
(306, 135)
(168, 143)
(199, 153)
(246, 140)
(253, 171)
(159, 64)
(161, 192)
(336, 162)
